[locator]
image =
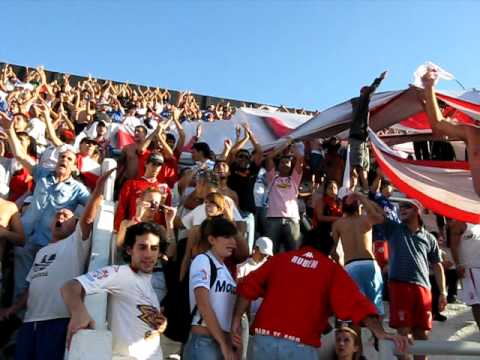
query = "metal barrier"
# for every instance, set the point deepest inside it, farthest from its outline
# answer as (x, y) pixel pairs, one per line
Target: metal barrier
(431, 347)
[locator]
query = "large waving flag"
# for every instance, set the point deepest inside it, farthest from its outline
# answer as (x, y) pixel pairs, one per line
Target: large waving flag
(444, 187)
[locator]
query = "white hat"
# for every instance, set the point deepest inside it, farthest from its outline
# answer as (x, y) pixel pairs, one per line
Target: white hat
(265, 245)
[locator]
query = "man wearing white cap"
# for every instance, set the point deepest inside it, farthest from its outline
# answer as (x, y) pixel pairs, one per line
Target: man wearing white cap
(262, 249)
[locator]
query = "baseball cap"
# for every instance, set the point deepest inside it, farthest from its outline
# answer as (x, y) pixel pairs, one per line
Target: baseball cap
(155, 158)
(88, 140)
(265, 245)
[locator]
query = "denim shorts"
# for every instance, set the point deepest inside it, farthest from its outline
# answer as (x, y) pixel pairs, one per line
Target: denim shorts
(201, 347)
(275, 348)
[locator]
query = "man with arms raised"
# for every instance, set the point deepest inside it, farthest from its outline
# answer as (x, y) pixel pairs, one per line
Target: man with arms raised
(136, 320)
(469, 134)
(54, 190)
(43, 333)
(355, 232)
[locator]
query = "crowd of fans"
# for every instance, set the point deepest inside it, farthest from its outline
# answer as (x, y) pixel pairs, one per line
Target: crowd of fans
(187, 264)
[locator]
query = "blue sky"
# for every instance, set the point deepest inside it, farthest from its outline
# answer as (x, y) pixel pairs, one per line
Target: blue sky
(310, 54)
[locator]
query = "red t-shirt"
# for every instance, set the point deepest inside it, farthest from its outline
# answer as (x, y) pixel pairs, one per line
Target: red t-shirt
(130, 192)
(168, 173)
(301, 289)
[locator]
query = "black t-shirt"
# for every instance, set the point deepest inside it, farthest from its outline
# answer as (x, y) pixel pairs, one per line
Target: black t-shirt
(243, 186)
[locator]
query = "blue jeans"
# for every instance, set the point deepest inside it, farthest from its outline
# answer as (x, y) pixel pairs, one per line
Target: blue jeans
(201, 347)
(42, 340)
(275, 348)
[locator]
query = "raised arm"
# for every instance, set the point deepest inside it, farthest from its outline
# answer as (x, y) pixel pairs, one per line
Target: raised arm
(181, 132)
(438, 123)
(15, 144)
(278, 150)
(257, 156)
(375, 213)
(299, 158)
(49, 126)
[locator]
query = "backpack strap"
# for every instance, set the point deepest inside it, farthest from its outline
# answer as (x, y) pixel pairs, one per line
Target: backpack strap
(213, 279)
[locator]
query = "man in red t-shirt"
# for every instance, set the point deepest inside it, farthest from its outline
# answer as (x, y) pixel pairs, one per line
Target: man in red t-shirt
(301, 289)
(132, 189)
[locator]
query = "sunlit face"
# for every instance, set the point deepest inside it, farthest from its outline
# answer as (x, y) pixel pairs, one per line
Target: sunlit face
(345, 345)
(66, 163)
(63, 224)
(144, 253)
(407, 211)
(152, 169)
(223, 246)
(212, 209)
(25, 141)
(285, 166)
(101, 130)
(20, 123)
(222, 170)
(387, 190)
(332, 189)
(139, 134)
(87, 148)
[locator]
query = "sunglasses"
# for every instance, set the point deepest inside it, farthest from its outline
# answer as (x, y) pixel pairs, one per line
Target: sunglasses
(405, 206)
(243, 156)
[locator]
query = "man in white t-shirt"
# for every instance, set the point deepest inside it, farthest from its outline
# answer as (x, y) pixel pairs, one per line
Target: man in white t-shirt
(44, 330)
(135, 317)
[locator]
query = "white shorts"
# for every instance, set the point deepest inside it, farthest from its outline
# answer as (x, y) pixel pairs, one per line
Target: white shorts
(470, 291)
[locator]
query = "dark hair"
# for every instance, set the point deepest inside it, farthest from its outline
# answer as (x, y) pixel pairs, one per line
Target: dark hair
(139, 229)
(170, 136)
(319, 239)
(217, 226)
(203, 148)
(32, 148)
(142, 127)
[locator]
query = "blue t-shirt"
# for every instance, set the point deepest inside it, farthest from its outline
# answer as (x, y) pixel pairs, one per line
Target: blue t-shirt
(410, 254)
(49, 197)
(391, 212)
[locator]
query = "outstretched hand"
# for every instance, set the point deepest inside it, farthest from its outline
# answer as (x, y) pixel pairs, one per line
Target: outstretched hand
(430, 78)
(401, 341)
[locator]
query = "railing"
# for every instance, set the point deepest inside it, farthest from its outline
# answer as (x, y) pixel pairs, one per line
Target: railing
(97, 344)
(431, 347)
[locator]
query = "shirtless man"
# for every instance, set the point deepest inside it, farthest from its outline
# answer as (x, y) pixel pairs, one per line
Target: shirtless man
(441, 126)
(355, 232)
(11, 229)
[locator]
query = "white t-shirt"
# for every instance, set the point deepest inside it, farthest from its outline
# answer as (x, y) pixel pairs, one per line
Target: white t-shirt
(222, 294)
(469, 249)
(197, 215)
(133, 309)
(243, 270)
(54, 265)
(37, 131)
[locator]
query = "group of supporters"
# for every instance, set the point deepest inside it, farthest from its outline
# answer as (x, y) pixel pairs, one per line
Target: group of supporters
(247, 254)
